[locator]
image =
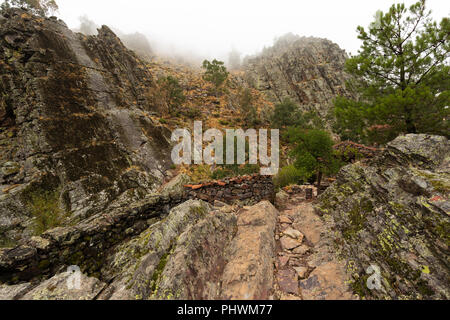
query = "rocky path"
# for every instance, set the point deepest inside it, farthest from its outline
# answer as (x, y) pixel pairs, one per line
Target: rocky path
(305, 267)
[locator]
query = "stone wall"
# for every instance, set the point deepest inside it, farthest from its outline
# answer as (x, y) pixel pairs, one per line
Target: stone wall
(85, 245)
(247, 189)
(88, 243)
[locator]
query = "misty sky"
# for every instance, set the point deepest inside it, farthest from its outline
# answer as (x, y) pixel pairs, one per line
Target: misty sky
(212, 28)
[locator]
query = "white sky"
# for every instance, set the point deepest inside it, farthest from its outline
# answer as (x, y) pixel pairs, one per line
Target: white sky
(212, 27)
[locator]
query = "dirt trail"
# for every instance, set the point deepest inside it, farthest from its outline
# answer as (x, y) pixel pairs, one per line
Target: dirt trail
(305, 267)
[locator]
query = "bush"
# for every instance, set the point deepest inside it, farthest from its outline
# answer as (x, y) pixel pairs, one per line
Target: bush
(228, 171)
(248, 110)
(215, 72)
(313, 151)
(173, 92)
(193, 113)
(44, 207)
(289, 175)
(288, 114)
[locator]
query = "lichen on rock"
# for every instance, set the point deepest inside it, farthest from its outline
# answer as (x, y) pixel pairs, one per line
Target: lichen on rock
(394, 213)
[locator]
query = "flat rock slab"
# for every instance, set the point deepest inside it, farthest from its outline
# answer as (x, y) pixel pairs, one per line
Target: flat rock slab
(288, 243)
(301, 271)
(283, 260)
(302, 250)
(288, 281)
(326, 282)
(309, 223)
(249, 272)
(294, 234)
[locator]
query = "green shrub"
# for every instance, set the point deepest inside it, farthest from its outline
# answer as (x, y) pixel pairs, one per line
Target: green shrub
(289, 175)
(215, 72)
(228, 171)
(44, 207)
(173, 93)
(193, 113)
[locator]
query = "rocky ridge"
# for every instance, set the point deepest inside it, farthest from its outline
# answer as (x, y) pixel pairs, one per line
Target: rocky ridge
(309, 71)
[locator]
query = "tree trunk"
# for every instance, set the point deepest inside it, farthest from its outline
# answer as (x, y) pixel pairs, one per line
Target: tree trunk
(319, 180)
(410, 126)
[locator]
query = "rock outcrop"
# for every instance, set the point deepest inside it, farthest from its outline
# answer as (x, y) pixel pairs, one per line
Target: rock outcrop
(249, 273)
(195, 252)
(309, 71)
(75, 128)
(393, 214)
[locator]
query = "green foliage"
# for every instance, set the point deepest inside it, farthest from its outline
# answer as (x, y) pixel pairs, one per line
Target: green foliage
(42, 8)
(313, 152)
(227, 171)
(193, 113)
(349, 154)
(287, 114)
(289, 175)
(173, 92)
(283, 115)
(215, 72)
(248, 110)
(401, 76)
(44, 206)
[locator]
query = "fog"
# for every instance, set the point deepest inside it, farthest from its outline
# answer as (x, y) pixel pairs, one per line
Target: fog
(213, 28)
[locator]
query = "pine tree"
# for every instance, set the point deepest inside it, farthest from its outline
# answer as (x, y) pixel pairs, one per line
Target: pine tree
(215, 72)
(401, 74)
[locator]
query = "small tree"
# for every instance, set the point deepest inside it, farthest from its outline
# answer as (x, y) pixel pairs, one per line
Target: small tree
(41, 8)
(173, 92)
(401, 75)
(313, 152)
(248, 110)
(215, 72)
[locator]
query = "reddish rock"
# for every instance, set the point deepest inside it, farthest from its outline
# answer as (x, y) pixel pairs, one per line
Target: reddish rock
(288, 281)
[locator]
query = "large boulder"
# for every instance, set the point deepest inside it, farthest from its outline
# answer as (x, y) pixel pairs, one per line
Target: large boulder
(393, 214)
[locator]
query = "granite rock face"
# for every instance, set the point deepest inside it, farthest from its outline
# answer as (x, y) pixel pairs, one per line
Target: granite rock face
(394, 214)
(75, 126)
(309, 71)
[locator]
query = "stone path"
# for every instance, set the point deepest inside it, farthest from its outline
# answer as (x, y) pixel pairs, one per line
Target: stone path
(305, 268)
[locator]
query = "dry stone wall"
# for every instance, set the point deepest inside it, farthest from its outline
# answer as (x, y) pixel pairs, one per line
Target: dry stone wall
(89, 243)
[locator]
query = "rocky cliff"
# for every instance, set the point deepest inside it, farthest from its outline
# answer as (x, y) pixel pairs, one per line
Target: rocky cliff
(393, 214)
(309, 71)
(76, 133)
